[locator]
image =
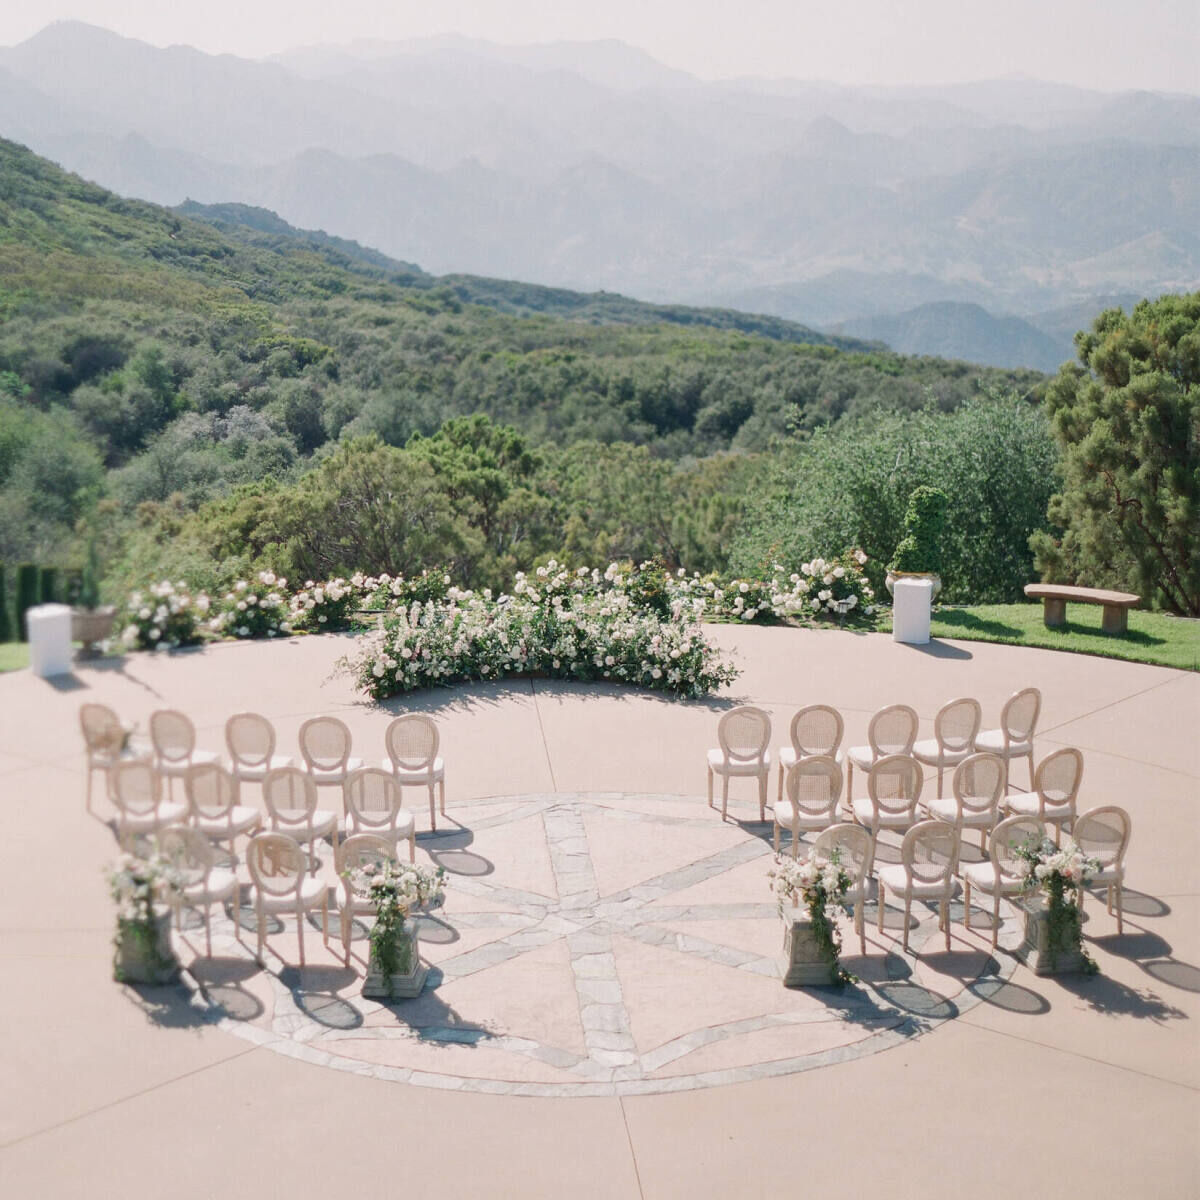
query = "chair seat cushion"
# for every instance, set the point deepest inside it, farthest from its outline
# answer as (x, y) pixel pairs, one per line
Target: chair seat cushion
(894, 878)
(946, 809)
(296, 822)
(992, 741)
(861, 756)
(787, 756)
(240, 819)
(717, 763)
(180, 766)
(785, 814)
(433, 775)
(864, 814)
(934, 755)
(1106, 875)
(983, 877)
(169, 812)
(1026, 805)
(312, 892)
(254, 773)
(336, 774)
(404, 826)
(221, 882)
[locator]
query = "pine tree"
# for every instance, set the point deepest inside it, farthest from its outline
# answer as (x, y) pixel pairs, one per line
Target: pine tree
(6, 628)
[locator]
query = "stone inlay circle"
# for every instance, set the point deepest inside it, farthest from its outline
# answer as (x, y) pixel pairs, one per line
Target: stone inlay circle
(596, 944)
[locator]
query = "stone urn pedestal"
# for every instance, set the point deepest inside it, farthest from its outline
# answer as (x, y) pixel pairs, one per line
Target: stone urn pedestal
(146, 957)
(92, 625)
(803, 965)
(1042, 954)
(409, 977)
(892, 576)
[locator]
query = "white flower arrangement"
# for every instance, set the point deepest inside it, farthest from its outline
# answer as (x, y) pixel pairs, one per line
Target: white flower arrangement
(254, 610)
(165, 616)
(822, 885)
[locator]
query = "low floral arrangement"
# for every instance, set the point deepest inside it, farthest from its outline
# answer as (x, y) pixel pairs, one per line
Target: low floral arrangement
(136, 883)
(164, 616)
(547, 628)
(395, 890)
(325, 607)
(254, 609)
(1059, 873)
(823, 886)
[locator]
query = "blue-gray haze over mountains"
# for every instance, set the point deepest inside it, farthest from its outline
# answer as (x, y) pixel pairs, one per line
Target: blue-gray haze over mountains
(983, 221)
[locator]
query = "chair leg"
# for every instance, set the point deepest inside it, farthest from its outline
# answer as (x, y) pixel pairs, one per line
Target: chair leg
(412, 846)
(442, 795)
(882, 900)
(967, 903)
(849, 782)
(260, 921)
(325, 918)
(907, 914)
(1120, 908)
(796, 841)
(996, 918)
(1031, 780)
(945, 914)
(724, 797)
(208, 929)
(300, 933)
(776, 837)
(710, 787)
(860, 920)
(941, 777)
(346, 922)
(779, 795)
(762, 797)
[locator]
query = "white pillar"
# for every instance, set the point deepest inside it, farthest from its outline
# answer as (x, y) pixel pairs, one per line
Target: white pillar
(50, 651)
(911, 603)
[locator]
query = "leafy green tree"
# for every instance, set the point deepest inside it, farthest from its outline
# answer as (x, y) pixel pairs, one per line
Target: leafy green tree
(6, 628)
(1128, 421)
(27, 596)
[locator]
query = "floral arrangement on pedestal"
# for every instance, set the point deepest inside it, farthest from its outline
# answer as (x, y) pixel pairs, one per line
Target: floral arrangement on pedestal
(142, 942)
(164, 616)
(254, 609)
(822, 885)
(396, 890)
(1058, 873)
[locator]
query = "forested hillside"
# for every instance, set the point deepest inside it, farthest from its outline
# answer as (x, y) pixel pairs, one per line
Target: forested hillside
(161, 375)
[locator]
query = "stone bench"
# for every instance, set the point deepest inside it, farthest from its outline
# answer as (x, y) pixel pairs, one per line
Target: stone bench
(1054, 597)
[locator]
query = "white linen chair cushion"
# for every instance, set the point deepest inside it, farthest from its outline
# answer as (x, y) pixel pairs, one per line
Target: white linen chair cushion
(929, 751)
(256, 773)
(785, 815)
(335, 774)
(421, 776)
(169, 812)
(895, 879)
(861, 756)
(181, 766)
(946, 809)
(991, 741)
(864, 814)
(238, 819)
(404, 827)
(312, 891)
(982, 875)
(1025, 804)
(221, 882)
(295, 821)
(716, 760)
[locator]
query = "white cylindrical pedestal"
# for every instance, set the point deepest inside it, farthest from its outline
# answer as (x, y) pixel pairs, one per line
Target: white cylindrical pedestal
(50, 650)
(911, 602)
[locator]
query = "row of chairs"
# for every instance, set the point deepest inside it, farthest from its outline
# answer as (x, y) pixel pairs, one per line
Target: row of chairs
(280, 883)
(930, 869)
(816, 730)
(412, 743)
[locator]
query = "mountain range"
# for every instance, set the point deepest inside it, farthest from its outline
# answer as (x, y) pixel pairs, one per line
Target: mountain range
(949, 220)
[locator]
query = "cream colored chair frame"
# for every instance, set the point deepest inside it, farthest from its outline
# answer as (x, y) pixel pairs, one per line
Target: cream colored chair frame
(347, 857)
(997, 882)
(803, 819)
(947, 750)
(1112, 873)
(800, 746)
(418, 772)
(362, 820)
(925, 889)
(728, 763)
(838, 836)
(1007, 741)
(866, 756)
(299, 898)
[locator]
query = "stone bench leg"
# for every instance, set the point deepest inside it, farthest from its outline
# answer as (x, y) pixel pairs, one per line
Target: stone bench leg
(1115, 619)
(1054, 612)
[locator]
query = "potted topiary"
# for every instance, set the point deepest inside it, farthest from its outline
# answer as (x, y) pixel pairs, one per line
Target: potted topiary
(91, 622)
(919, 554)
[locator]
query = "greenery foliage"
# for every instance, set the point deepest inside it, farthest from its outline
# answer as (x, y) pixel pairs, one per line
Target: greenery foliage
(6, 626)
(1128, 420)
(822, 884)
(1059, 873)
(27, 596)
(48, 585)
(920, 550)
(848, 485)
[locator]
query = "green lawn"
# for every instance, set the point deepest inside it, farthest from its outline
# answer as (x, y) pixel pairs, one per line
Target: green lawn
(13, 656)
(1151, 638)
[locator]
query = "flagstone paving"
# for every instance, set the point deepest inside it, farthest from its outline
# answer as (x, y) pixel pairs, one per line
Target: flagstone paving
(604, 1013)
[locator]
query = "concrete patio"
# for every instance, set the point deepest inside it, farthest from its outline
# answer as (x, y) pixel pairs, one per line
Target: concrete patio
(605, 1014)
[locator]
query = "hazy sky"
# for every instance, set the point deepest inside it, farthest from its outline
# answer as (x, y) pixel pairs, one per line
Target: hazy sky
(1108, 44)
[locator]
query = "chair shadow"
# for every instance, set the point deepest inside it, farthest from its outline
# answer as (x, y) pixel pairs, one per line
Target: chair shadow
(1012, 997)
(171, 1006)
(220, 981)
(315, 990)
(1103, 994)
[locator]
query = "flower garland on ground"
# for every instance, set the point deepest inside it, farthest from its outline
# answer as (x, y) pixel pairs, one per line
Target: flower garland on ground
(395, 890)
(559, 632)
(822, 885)
(135, 883)
(170, 615)
(1056, 871)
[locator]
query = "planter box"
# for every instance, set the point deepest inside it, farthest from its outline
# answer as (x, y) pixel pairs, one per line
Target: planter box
(408, 981)
(92, 625)
(1038, 954)
(803, 965)
(135, 961)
